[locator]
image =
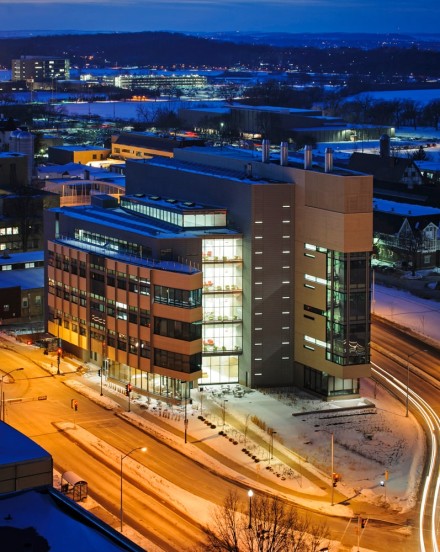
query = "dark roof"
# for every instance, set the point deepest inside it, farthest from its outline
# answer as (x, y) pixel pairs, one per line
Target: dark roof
(386, 169)
(140, 140)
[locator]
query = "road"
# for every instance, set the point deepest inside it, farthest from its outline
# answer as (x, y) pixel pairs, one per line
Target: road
(410, 369)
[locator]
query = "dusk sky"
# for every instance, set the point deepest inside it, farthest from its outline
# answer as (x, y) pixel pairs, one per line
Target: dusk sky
(296, 16)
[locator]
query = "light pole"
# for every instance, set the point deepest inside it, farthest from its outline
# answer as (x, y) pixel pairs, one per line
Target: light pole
(2, 397)
(407, 377)
(143, 449)
(224, 412)
(333, 468)
(185, 421)
(332, 475)
(58, 345)
(272, 433)
(250, 495)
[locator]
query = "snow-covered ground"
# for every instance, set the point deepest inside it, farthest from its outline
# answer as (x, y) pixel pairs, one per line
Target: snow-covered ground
(366, 445)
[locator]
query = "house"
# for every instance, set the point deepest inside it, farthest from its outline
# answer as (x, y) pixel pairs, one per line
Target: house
(406, 235)
(401, 171)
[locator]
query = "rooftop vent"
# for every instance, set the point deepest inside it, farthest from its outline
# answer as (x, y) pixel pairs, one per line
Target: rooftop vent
(284, 154)
(265, 151)
(307, 157)
(328, 160)
(155, 198)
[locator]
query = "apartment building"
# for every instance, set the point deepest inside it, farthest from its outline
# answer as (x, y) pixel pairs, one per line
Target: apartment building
(219, 267)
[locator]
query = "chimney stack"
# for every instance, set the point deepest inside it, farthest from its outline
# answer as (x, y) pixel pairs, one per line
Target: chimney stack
(265, 151)
(328, 160)
(307, 157)
(284, 154)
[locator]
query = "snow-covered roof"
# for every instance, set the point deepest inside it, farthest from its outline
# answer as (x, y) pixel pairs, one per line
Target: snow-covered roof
(17, 258)
(404, 209)
(59, 521)
(20, 448)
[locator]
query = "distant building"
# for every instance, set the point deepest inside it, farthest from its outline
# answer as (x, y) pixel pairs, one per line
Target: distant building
(40, 68)
(162, 83)
(284, 124)
(22, 287)
(144, 145)
(60, 155)
(21, 219)
(14, 170)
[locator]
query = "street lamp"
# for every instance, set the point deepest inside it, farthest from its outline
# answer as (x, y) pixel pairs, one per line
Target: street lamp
(407, 377)
(143, 449)
(2, 397)
(58, 345)
(272, 433)
(332, 475)
(224, 412)
(250, 495)
(185, 421)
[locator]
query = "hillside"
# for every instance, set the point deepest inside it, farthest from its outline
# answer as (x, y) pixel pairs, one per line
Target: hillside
(172, 50)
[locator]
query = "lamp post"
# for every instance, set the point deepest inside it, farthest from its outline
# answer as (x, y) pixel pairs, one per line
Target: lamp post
(58, 345)
(143, 449)
(407, 377)
(250, 495)
(185, 421)
(272, 433)
(2, 397)
(224, 412)
(332, 468)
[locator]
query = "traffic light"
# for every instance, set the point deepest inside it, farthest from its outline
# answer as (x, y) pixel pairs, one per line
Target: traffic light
(59, 351)
(335, 478)
(363, 523)
(99, 373)
(128, 389)
(74, 404)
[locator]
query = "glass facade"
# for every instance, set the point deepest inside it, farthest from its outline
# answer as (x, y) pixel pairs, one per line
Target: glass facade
(180, 215)
(222, 309)
(348, 304)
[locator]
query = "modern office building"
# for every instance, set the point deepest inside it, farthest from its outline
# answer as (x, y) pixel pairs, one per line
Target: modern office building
(133, 81)
(40, 68)
(225, 268)
(117, 296)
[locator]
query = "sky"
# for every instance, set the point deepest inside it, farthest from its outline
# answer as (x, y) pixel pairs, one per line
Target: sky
(295, 16)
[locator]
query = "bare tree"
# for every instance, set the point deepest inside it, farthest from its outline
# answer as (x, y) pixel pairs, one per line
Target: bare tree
(270, 525)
